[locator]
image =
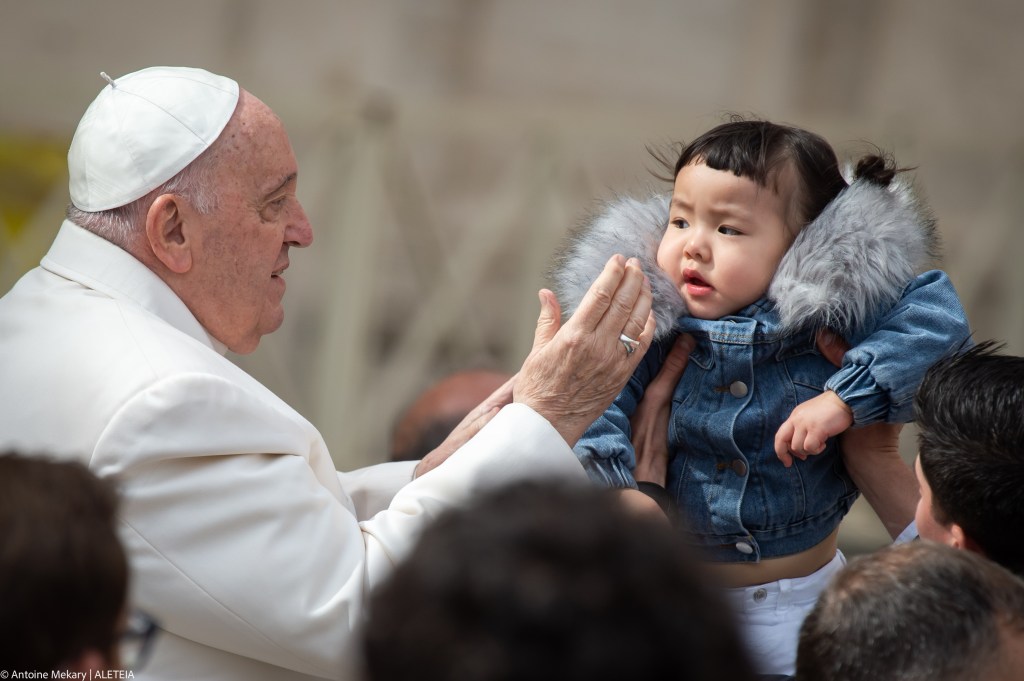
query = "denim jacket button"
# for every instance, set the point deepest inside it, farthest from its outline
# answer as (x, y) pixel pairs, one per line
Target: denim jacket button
(744, 547)
(760, 595)
(738, 389)
(739, 467)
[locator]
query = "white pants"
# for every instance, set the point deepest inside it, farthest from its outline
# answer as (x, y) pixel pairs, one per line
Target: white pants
(770, 616)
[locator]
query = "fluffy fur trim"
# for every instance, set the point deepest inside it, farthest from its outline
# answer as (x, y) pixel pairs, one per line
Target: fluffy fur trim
(845, 267)
(627, 226)
(854, 260)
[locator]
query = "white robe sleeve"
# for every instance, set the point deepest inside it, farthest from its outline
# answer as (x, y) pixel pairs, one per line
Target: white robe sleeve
(241, 536)
(372, 488)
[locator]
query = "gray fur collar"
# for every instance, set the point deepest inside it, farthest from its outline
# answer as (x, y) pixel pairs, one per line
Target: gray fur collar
(844, 268)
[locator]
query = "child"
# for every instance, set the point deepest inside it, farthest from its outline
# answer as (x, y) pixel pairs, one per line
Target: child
(765, 245)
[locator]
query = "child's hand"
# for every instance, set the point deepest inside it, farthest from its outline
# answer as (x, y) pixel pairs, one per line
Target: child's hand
(805, 431)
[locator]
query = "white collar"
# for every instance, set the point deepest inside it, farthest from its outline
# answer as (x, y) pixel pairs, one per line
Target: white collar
(81, 256)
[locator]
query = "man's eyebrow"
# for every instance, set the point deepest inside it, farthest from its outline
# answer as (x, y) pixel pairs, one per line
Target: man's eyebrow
(290, 178)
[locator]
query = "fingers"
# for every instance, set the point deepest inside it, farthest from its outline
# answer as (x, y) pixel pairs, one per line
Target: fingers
(500, 397)
(463, 433)
(635, 306)
(782, 442)
(599, 297)
(575, 371)
(832, 346)
(671, 372)
(619, 300)
(812, 444)
(794, 440)
(549, 321)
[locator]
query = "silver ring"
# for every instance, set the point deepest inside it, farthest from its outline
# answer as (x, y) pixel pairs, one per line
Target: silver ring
(629, 343)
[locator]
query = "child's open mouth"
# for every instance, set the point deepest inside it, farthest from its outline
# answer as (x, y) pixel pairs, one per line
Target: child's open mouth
(695, 284)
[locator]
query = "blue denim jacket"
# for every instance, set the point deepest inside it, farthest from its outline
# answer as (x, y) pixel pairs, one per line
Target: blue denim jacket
(744, 378)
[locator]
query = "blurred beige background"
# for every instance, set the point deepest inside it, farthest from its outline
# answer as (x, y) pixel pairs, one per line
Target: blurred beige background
(446, 145)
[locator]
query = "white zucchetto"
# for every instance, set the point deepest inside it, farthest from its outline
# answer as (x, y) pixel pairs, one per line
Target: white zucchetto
(142, 130)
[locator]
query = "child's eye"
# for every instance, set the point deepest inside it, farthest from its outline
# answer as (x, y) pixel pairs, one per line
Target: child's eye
(680, 223)
(729, 231)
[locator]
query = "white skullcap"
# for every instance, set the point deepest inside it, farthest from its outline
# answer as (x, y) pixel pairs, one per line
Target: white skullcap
(142, 130)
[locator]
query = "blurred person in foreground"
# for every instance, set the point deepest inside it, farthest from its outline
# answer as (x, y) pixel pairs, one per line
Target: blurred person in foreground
(540, 582)
(63, 571)
(250, 548)
(919, 611)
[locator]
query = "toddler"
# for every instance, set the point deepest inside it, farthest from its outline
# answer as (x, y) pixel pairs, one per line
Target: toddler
(761, 245)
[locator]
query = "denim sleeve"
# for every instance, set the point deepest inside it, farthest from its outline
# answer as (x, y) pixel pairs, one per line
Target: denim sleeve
(883, 369)
(606, 448)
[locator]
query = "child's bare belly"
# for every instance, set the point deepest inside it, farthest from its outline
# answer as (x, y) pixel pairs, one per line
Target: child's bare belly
(773, 569)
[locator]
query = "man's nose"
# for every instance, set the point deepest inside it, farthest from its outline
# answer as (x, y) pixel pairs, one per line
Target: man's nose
(299, 232)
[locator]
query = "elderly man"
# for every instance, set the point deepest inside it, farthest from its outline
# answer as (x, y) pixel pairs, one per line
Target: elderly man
(247, 545)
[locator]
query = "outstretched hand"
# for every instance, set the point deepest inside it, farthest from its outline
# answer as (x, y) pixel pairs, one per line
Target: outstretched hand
(574, 371)
(467, 428)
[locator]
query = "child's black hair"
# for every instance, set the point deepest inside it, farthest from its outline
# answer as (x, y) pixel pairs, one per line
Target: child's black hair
(758, 150)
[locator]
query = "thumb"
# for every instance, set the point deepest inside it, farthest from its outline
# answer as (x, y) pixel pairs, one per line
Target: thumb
(678, 356)
(832, 346)
(550, 320)
(672, 369)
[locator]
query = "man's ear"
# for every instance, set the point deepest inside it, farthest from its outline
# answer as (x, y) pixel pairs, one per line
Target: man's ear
(167, 232)
(961, 540)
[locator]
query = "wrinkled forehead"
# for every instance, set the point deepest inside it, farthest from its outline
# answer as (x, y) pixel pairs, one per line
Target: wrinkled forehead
(254, 146)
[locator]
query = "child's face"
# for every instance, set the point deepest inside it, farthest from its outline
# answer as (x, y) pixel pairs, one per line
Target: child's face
(725, 238)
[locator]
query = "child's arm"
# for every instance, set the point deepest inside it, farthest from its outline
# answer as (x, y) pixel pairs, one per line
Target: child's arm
(880, 374)
(812, 422)
(882, 370)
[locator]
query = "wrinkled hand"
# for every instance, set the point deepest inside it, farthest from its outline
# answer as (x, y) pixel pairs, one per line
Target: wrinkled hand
(467, 428)
(649, 423)
(804, 433)
(573, 372)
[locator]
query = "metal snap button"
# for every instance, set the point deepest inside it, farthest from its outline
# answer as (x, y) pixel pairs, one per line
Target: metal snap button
(744, 547)
(739, 467)
(738, 389)
(760, 595)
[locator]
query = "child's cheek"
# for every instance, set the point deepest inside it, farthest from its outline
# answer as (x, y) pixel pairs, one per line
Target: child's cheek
(667, 258)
